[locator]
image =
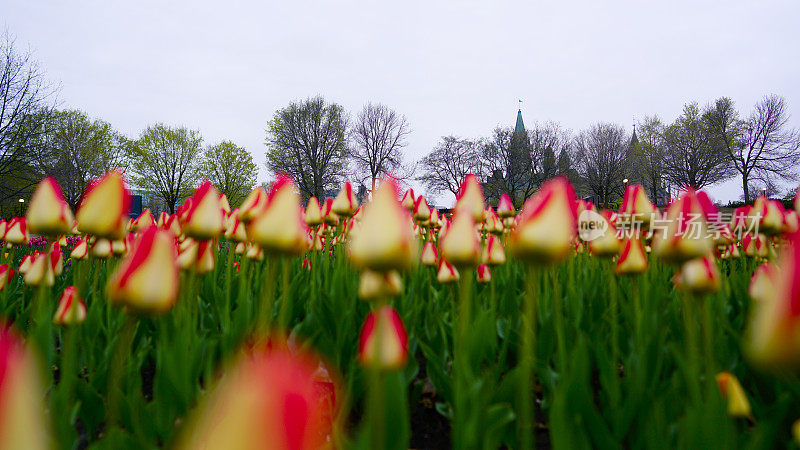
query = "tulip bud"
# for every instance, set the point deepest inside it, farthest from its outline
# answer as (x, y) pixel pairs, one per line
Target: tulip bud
(280, 228)
(148, 279)
(254, 252)
(203, 218)
(547, 224)
(483, 273)
(771, 215)
(383, 343)
(16, 231)
(632, 259)
(144, 221)
(274, 398)
(608, 243)
(223, 203)
(80, 251)
(23, 424)
(3, 226)
(162, 219)
(306, 264)
(408, 200)
(103, 210)
(384, 240)
(56, 259)
(763, 282)
(205, 257)
(101, 248)
(253, 204)
(461, 245)
(470, 198)
(187, 254)
(40, 271)
(26, 262)
(240, 248)
(429, 254)
(505, 208)
(493, 252)
(6, 274)
(328, 214)
(636, 207)
(699, 276)
(377, 285)
(71, 308)
(755, 246)
(791, 222)
(48, 212)
(422, 212)
(345, 203)
(729, 387)
(686, 233)
(316, 243)
(772, 337)
(447, 273)
(435, 222)
(313, 215)
(234, 231)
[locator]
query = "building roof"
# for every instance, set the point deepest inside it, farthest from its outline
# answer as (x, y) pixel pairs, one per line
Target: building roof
(520, 127)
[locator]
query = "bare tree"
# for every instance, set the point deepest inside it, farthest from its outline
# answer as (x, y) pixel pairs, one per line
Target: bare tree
(602, 152)
(761, 148)
(647, 158)
(691, 158)
(377, 141)
(445, 167)
(25, 104)
(307, 140)
(165, 161)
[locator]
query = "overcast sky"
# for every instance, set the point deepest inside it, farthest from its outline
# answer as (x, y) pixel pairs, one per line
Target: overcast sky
(452, 67)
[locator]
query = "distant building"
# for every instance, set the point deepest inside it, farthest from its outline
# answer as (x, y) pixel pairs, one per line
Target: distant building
(518, 173)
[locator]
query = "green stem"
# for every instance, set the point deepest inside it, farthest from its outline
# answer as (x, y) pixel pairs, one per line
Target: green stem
(690, 324)
(708, 338)
(284, 314)
(267, 295)
(226, 313)
(558, 312)
(116, 377)
(527, 361)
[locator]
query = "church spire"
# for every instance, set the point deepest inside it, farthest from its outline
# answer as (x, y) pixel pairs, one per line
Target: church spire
(520, 127)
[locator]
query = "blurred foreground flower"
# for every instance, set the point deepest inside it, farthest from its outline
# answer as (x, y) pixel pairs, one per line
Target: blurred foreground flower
(461, 245)
(272, 398)
(22, 422)
(71, 308)
(699, 276)
(383, 343)
(731, 390)
(6, 274)
(379, 285)
(632, 259)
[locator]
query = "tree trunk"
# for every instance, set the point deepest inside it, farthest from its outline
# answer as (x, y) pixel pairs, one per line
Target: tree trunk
(746, 189)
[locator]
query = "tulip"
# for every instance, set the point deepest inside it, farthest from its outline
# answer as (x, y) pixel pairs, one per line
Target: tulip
(253, 204)
(280, 227)
(632, 259)
(224, 204)
(316, 243)
(3, 226)
(493, 223)
(384, 241)
(306, 264)
(493, 252)
(329, 216)
(188, 250)
(755, 246)
(144, 221)
(6, 274)
(203, 218)
(409, 200)
(483, 273)
(26, 262)
(23, 424)
(547, 224)
(254, 252)
(40, 271)
(56, 259)
(636, 207)
(162, 219)
(48, 212)
(422, 212)
(345, 203)
(771, 215)
(742, 221)
(505, 208)
(240, 248)
(791, 222)
(103, 210)
(699, 276)
(763, 282)
(729, 387)
(429, 256)
(16, 231)
(234, 231)
(470, 198)
(71, 308)
(313, 216)
(383, 343)
(147, 280)
(686, 233)
(377, 285)
(101, 248)
(772, 337)
(608, 243)
(447, 273)
(435, 222)
(461, 245)
(270, 399)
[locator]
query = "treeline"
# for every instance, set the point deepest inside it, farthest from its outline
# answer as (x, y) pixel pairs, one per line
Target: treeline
(701, 147)
(163, 162)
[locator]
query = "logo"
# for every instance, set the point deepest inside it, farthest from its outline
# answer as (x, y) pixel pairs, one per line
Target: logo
(591, 225)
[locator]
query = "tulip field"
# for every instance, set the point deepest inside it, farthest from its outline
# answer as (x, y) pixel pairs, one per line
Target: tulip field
(285, 324)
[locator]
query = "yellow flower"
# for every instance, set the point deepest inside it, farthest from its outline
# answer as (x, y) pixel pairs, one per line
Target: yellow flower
(48, 212)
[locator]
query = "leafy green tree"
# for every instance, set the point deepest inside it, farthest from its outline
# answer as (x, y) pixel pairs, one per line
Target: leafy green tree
(76, 149)
(231, 169)
(308, 140)
(165, 161)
